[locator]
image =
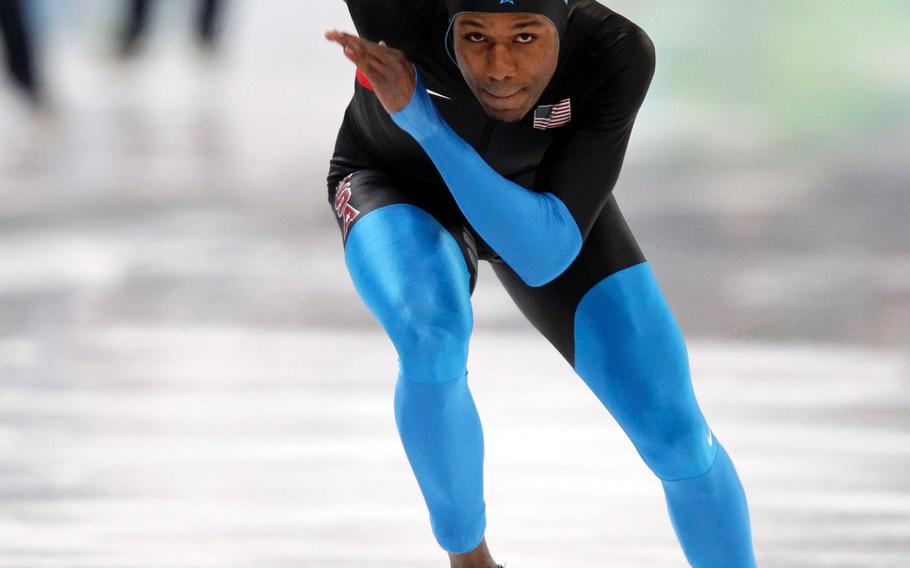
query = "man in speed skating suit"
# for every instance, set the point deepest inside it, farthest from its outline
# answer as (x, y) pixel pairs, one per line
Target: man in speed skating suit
(495, 130)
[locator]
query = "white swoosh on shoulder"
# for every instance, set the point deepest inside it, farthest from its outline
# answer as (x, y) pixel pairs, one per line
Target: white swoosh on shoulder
(435, 94)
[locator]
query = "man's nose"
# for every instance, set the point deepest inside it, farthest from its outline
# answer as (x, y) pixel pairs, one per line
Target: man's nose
(500, 65)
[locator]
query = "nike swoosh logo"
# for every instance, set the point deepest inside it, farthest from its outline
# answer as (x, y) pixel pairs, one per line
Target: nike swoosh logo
(435, 94)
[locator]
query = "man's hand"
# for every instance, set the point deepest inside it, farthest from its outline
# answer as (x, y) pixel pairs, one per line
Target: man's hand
(387, 69)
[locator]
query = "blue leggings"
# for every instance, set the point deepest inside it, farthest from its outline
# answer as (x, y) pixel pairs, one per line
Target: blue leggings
(623, 342)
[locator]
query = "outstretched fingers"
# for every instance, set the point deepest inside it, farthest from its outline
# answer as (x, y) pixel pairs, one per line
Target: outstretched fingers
(367, 55)
(388, 69)
(354, 46)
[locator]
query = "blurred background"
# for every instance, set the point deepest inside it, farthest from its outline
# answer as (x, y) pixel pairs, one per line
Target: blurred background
(187, 376)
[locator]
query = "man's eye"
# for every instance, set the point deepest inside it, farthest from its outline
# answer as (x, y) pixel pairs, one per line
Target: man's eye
(524, 38)
(474, 37)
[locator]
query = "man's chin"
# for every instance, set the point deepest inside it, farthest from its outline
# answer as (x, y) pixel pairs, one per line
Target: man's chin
(512, 115)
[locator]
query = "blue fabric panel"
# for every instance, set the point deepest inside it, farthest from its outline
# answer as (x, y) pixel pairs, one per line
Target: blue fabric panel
(630, 352)
(411, 274)
(533, 232)
(441, 433)
(711, 517)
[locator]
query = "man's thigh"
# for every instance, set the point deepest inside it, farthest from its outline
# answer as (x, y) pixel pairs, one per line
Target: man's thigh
(363, 192)
(412, 273)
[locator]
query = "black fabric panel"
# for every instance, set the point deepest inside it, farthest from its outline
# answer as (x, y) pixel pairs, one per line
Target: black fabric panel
(610, 247)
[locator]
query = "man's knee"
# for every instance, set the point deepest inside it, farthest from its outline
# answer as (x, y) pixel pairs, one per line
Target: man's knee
(675, 449)
(411, 274)
(431, 336)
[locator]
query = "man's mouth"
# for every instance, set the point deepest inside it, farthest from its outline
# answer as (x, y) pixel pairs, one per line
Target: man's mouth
(502, 95)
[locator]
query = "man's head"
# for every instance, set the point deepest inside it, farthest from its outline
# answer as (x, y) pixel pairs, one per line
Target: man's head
(507, 50)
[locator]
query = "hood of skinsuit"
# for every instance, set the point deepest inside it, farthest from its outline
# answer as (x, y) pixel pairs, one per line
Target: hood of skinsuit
(557, 11)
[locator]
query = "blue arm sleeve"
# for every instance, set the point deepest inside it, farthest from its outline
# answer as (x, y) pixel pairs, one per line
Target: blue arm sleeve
(533, 232)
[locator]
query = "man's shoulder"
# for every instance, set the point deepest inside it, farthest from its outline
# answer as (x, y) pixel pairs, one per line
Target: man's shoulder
(599, 35)
(610, 64)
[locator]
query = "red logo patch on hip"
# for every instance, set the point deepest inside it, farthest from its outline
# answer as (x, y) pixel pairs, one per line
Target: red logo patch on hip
(344, 210)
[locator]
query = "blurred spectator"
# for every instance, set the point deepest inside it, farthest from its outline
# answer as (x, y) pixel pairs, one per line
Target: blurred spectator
(207, 24)
(19, 48)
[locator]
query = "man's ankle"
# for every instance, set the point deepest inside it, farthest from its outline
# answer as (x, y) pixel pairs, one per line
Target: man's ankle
(477, 558)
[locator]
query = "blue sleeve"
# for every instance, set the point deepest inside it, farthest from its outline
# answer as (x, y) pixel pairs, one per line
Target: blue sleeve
(540, 232)
(533, 232)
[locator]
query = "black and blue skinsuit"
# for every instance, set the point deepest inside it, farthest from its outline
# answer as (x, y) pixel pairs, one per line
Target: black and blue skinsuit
(423, 194)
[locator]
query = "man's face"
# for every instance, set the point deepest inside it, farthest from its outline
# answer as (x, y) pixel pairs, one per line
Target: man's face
(506, 59)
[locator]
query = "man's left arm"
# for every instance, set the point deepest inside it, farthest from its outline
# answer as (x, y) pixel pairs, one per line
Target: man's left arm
(538, 233)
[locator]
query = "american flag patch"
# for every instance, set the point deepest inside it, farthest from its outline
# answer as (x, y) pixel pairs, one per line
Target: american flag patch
(551, 116)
